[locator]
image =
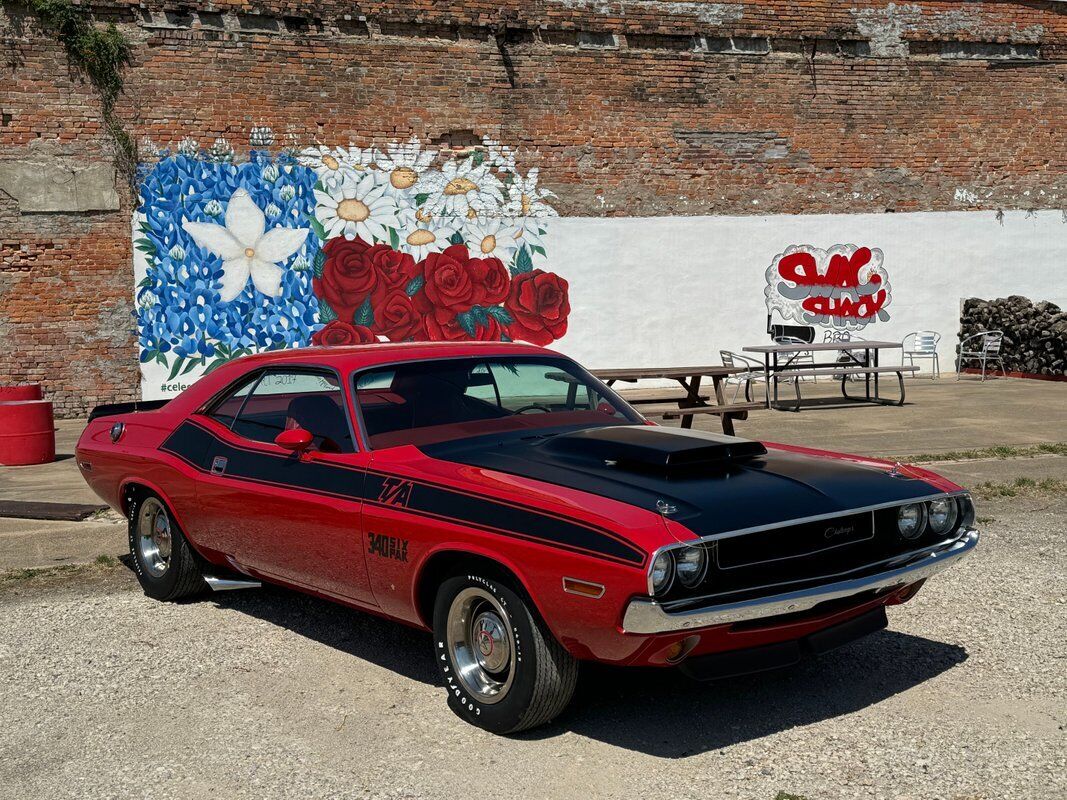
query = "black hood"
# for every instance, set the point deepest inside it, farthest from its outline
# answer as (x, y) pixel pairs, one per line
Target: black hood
(716, 483)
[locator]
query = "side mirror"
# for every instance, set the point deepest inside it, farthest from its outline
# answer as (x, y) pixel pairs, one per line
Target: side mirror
(295, 439)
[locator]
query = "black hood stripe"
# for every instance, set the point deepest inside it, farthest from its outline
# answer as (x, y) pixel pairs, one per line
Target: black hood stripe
(198, 446)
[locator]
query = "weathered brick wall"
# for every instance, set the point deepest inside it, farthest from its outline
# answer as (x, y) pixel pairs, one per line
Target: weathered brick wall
(629, 108)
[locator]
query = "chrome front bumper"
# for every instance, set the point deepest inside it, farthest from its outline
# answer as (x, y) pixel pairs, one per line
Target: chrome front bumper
(644, 615)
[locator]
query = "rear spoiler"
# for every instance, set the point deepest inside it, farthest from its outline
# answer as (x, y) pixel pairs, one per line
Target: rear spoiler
(111, 409)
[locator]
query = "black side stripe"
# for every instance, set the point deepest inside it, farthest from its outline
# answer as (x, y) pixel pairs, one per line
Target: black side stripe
(197, 446)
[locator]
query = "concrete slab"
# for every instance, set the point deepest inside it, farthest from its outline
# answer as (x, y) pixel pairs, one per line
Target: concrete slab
(27, 544)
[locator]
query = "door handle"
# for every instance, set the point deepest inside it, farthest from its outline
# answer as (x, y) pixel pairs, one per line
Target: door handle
(218, 465)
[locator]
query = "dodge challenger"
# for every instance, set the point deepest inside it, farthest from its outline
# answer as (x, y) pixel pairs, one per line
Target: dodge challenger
(501, 497)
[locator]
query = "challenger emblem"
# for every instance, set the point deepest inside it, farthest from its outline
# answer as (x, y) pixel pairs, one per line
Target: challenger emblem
(395, 492)
(834, 531)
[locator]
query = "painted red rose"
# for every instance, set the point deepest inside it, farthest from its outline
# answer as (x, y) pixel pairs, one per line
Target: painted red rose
(539, 306)
(449, 284)
(397, 318)
(348, 276)
(491, 280)
(451, 331)
(339, 333)
(395, 270)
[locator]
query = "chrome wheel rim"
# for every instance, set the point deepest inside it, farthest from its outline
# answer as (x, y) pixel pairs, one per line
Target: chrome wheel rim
(482, 645)
(153, 537)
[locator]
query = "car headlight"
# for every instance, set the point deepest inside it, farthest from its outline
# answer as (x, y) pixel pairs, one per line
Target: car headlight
(689, 564)
(662, 572)
(942, 514)
(911, 520)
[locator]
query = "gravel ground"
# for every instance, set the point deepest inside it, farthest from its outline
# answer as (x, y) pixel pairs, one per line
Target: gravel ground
(270, 694)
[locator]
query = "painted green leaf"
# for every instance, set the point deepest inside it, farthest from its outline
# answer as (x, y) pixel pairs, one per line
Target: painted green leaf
(456, 238)
(501, 315)
(326, 313)
(538, 249)
(178, 362)
(319, 263)
(466, 321)
(415, 286)
(479, 314)
(421, 198)
(523, 262)
(394, 238)
(479, 157)
(191, 365)
(365, 314)
(317, 227)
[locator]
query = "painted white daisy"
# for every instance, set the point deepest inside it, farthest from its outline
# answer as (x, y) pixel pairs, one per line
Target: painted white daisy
(461, 189)
(334, 162)
(491, 237)
(428, 236)
(245, 248)
(526, 204)
(402, 165)
(356, 206)
(499, 155)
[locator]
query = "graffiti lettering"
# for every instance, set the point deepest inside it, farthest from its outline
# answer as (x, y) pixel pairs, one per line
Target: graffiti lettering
(844, 287)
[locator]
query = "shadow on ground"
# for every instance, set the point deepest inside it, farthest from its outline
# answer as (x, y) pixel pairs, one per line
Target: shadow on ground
(655, 711)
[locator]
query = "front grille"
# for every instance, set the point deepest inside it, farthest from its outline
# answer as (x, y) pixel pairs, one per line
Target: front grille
(802, 555)
(806, 539)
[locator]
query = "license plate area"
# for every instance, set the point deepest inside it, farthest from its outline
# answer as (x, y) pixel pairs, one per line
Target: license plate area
(793, 541)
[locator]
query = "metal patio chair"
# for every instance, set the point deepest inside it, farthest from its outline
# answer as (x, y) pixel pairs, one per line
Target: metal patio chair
(983, 347)
(754, 374)
(801, 359)
(923, 345)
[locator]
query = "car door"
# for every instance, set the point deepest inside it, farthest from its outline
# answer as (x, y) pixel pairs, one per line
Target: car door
(292, 516)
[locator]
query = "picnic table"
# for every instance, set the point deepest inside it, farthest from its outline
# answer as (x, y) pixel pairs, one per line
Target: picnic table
(667, 404)
(774, 371)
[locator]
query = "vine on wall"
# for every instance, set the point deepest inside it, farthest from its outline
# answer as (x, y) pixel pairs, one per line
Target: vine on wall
(100, 53)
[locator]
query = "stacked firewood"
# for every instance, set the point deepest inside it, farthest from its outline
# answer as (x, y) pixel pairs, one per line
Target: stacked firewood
(1035, 334)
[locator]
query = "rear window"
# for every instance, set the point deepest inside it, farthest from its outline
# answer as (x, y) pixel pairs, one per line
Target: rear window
(433, 401)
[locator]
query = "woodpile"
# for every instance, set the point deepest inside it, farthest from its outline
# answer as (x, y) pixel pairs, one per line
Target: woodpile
(1035, 334)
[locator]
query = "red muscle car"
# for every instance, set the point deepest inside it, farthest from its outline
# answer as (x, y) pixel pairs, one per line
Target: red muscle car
(500, 496)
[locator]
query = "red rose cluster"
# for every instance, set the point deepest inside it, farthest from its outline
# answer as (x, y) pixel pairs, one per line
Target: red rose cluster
(367, 291)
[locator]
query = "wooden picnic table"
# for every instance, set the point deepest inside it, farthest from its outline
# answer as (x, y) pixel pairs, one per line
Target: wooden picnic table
(663, 403)
(773, 371)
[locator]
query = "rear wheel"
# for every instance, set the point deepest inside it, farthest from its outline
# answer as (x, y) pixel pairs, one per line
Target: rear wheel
(501, 667)
(165, 565)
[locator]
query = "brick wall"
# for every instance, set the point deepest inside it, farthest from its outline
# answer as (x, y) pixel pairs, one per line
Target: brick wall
(629, 108)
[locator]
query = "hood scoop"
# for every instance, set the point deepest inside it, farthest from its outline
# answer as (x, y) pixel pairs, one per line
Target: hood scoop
(653, 448)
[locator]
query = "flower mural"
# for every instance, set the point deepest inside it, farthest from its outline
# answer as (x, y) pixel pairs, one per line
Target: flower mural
(336, 246)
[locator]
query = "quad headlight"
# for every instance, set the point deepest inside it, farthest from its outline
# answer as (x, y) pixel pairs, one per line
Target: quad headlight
(662, 574)
(911, 519)
(690, 564)
(686, 564)
(943, 514)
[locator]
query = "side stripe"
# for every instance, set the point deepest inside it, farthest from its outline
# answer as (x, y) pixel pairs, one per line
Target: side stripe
(198, 447)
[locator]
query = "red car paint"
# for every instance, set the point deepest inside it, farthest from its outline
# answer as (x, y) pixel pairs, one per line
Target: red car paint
(350, 551)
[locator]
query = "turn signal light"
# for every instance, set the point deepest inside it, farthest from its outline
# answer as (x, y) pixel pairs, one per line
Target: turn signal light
(583, 588)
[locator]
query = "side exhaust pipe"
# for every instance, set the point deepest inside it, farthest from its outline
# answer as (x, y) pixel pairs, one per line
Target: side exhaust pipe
(227, 584)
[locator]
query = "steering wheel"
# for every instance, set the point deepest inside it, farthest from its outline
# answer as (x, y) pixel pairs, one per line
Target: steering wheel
(534, 407)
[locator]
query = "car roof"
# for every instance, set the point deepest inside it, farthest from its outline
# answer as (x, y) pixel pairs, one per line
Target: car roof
(346, 358)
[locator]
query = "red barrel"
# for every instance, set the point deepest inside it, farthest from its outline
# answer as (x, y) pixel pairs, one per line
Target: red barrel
(27, 433)
(24, 391)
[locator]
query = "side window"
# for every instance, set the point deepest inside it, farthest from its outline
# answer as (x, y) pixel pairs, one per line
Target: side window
(290, 399)
(226, 411)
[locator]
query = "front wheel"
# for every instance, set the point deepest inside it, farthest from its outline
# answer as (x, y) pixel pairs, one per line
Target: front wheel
(165, 565)
(501, 667)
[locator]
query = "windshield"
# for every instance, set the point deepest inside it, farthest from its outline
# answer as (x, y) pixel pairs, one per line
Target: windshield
(424, 402)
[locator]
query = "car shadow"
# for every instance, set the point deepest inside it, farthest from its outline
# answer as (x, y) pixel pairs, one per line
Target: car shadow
(391, 645)
(663, 713)
(659, 712)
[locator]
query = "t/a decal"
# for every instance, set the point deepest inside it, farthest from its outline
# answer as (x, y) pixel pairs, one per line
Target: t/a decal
(378, 544)
(395, 492)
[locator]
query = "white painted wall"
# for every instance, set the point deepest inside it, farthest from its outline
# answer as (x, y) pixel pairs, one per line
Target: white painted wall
(664, 291)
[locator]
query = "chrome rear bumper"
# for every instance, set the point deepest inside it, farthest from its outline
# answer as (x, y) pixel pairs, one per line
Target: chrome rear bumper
(644, 615)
